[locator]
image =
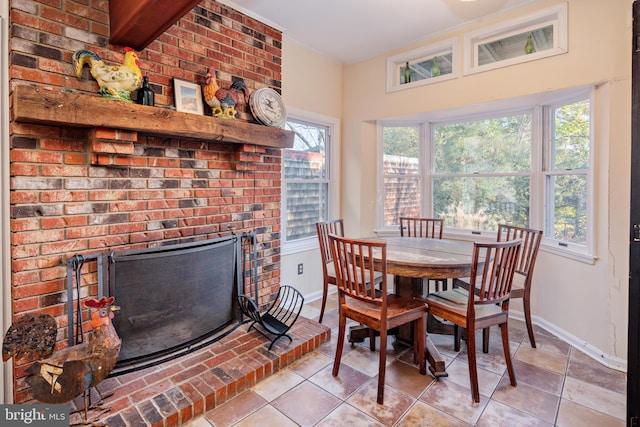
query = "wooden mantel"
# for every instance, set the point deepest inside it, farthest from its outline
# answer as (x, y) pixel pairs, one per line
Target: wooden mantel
(59, 108)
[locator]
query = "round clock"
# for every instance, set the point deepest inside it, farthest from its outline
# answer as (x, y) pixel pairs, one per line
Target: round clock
(267, 106)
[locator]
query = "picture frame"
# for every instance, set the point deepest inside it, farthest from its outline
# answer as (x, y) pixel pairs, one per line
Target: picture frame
(187, 97)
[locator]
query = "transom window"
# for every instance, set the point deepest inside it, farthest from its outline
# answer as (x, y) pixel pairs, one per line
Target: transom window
(530, 167)
(429, 64)
(528, 38)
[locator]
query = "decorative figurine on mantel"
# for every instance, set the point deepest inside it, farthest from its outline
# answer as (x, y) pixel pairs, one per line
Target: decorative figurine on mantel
(223, 101)
(115, 81)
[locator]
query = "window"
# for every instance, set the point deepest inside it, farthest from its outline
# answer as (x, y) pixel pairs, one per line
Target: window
(425, 68)
(482, 172)
(401, 173)
(535, 36)
(307, 179)
(429, 64)
(528, 163)
(567, 174)
(518, 44)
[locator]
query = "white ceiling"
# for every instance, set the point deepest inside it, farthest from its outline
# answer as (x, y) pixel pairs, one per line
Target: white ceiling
(354, 30)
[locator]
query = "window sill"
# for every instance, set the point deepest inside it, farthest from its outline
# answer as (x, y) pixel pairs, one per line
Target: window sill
(568, 253)
(302, 245)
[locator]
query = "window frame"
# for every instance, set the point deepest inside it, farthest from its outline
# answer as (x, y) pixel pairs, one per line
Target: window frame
(540, 106)
(422, 165)
(555, 16)
(552, 244)
(473, 118)
(333, 167)
(396, 63)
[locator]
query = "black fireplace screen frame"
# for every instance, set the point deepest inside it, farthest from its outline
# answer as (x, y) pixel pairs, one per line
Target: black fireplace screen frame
(242, 251)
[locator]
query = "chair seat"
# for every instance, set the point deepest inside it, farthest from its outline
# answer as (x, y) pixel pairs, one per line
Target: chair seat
(366, 312)
(455, 300)
(517, 284)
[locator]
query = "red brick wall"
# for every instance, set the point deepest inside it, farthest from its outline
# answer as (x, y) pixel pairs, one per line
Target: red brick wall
(138, 190)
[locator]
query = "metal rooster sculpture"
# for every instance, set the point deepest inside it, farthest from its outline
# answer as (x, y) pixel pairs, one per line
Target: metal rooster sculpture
(223, 101)
(59, 377)
(115, 81)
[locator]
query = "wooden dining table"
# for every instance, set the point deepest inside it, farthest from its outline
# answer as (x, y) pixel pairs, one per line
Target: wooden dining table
(411, 260)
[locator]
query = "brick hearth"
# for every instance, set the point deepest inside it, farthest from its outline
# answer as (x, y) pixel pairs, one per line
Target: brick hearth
(175, 392)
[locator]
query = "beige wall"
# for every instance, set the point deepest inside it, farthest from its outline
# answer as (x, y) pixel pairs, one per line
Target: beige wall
(586, 303)
(310, 81)
(313, 83)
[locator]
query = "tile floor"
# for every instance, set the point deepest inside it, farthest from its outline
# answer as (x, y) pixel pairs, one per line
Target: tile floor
(557, 386)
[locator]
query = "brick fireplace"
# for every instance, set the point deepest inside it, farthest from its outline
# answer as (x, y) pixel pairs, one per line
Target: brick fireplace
(89, 175)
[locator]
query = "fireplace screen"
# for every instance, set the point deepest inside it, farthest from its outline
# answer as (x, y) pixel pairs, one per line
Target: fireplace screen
(172, 297)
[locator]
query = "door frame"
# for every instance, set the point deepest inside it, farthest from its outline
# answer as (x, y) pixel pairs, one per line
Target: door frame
(633, 345)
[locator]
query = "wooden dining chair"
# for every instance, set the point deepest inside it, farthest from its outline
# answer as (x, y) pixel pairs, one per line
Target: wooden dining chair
(430, 228)
(492, 269)
(323, 229)
(523, 275)
(357, 263)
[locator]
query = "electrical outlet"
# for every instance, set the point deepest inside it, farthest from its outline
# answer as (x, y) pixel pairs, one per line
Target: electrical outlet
(300, 268)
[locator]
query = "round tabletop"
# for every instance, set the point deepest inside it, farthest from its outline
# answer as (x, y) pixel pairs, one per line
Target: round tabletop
(433, 258)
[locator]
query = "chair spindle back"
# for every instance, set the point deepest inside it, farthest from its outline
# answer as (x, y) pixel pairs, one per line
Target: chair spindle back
(530, 244)
(421, 227)
(323, 229)
(356, 269)
(493, 266)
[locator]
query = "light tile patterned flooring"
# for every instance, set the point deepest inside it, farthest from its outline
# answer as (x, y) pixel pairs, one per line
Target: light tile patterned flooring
(557, 386)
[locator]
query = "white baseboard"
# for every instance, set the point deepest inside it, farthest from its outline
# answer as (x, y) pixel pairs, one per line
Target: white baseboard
(588, 349)
(313, 296)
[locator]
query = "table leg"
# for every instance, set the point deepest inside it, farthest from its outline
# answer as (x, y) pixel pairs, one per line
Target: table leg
(358, 334)
(436, 361)
(409, 287)
(434, 326)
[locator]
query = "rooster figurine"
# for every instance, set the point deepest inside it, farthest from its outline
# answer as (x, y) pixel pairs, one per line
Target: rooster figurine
(115, 81)
(223, 101)
(58, 377)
